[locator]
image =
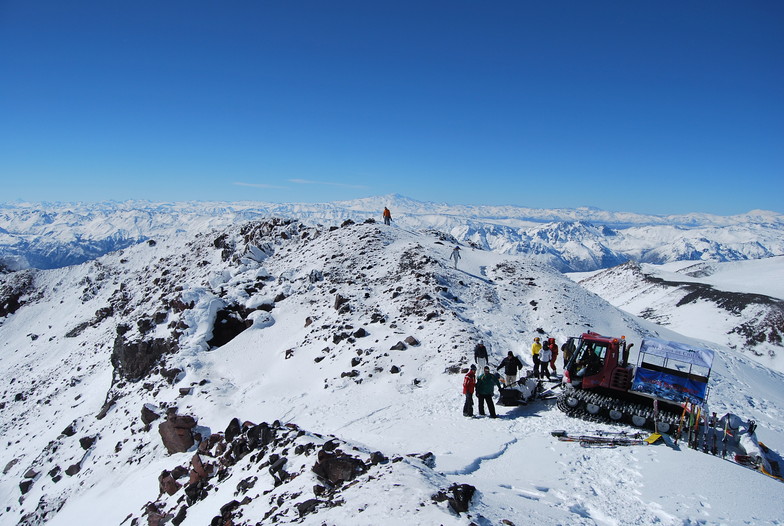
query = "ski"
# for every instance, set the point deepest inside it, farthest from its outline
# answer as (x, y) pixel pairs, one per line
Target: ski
(680, 424)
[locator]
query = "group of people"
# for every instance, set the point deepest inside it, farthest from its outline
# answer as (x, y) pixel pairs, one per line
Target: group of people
(484, 385)
(544, 356)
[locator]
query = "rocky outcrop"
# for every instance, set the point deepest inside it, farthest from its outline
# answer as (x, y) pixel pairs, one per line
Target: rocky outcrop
(135, 360)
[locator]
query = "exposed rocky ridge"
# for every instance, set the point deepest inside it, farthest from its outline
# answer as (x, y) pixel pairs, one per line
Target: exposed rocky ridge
(280, 474)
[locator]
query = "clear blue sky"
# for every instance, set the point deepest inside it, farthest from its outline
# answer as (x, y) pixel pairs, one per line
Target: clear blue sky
(655, 107)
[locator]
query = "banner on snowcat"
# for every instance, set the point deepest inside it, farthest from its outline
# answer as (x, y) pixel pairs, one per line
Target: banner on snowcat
(673, 371)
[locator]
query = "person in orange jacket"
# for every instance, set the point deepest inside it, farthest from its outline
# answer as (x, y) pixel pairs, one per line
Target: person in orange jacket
(387, 216)
(469, 383)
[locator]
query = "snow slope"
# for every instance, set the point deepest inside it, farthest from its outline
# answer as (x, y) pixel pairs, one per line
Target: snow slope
(738, 304)
(306, 292)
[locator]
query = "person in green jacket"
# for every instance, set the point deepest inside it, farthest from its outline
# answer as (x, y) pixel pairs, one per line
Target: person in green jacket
(484, 391)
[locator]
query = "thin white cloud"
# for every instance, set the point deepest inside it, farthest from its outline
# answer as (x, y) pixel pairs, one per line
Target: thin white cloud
(261, 185)
(325, 183)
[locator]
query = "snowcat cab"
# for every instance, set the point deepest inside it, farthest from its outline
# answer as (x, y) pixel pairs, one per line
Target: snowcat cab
(599, 361)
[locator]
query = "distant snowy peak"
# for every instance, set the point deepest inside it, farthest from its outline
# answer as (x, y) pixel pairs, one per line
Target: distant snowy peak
(50, 235)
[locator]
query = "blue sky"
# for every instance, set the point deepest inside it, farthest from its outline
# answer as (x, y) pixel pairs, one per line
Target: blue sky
(653, 107)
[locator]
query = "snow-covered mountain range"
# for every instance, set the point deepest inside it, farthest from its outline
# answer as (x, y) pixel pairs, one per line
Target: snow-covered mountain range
(279, 371)
(572, 240)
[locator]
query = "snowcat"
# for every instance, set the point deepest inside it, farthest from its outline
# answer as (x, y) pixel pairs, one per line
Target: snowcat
(600, 385)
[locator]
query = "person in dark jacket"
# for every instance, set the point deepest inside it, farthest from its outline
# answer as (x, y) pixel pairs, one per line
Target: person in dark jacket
(480, 355)
(484, 391)
(511, 365)
(469, 383)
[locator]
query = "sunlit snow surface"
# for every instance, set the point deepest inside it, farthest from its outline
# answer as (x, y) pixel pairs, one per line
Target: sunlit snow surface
(521, 472)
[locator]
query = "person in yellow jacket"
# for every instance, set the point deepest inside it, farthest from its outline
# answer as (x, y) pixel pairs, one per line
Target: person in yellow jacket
(535, 348)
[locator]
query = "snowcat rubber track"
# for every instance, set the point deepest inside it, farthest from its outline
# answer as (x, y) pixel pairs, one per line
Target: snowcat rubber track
(601, 408)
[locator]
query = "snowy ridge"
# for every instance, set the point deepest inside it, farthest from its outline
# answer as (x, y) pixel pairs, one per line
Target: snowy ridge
(50, 235)
(349, 338)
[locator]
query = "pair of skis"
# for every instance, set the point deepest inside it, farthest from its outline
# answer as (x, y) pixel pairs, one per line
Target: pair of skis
(605, 439)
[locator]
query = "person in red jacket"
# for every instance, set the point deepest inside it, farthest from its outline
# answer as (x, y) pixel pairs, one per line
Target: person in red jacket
(554, 349)
(469, 383)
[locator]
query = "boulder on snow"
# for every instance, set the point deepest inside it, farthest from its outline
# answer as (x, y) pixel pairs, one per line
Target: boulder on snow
(167, 483)
(176, 433)
(338, 468)
(413, 342)
(399, 346)
(149, 415)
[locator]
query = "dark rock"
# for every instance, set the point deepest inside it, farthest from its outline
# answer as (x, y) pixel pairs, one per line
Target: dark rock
(394, 369)
(73, 469)
(10, 464)
(461, 497)
(167, 483)
(30, 474)
(309, 506)
(259, 436)
(338, 468)
(279, 297)
(360, 333)
(308, 321)
(429, 459)
(87, 442)
(340, 301)
(377, 457)
(176, 433)
(105, 408)
(233, 429)
(171, 374)
(177, 520)
(134, 360)
(25, 486)
(145, 325)
(399, 346)
(227, 508)
(356, 361)
(69, 431)
(148, 415)
(351, 374)
(412, 341)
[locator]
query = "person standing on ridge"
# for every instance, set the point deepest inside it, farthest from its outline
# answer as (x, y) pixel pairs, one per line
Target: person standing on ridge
(511, 365)
(387, 216)
(469, 383)
(484, 391)
(535, 349)
(480, 355)
(455, 255)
